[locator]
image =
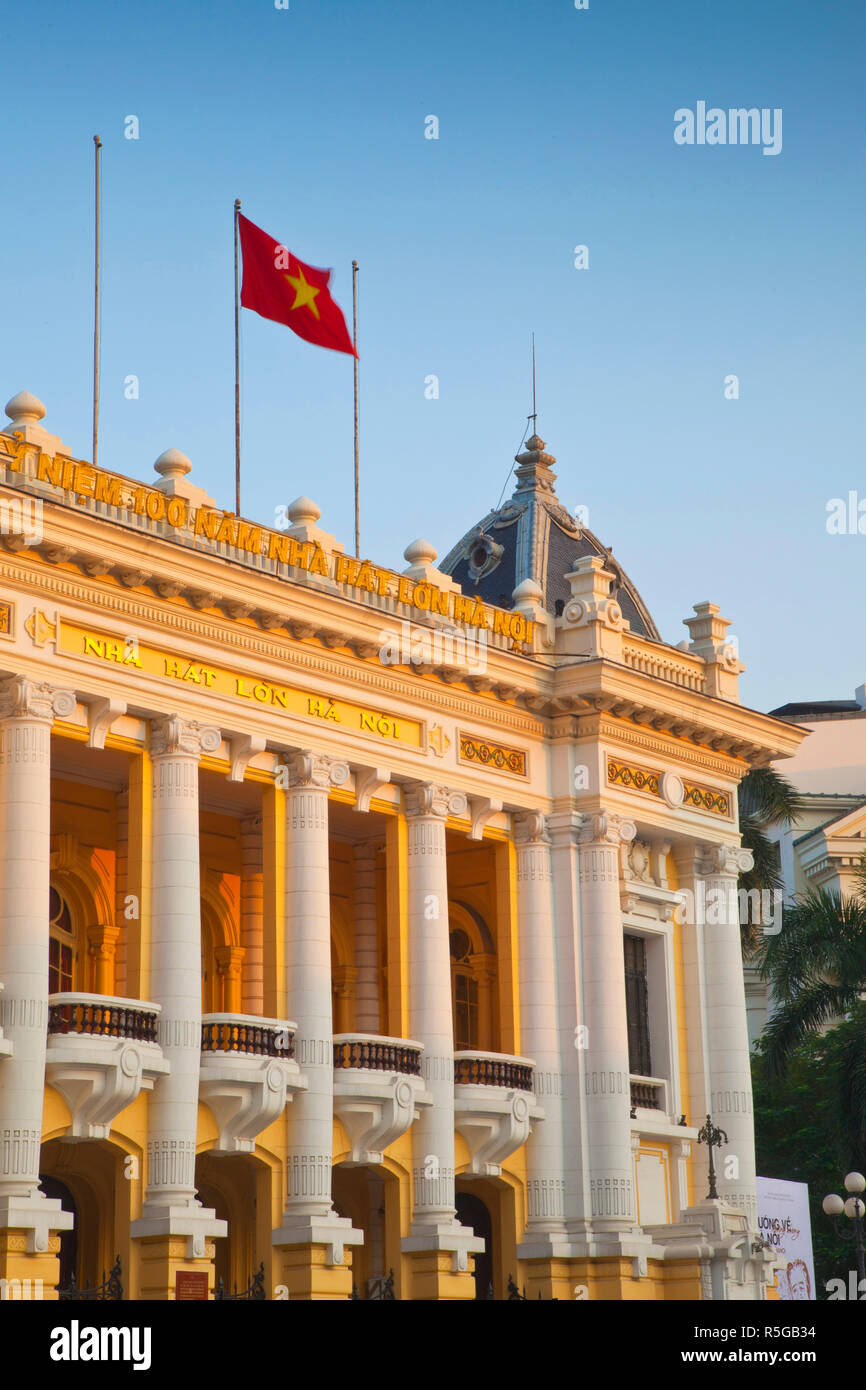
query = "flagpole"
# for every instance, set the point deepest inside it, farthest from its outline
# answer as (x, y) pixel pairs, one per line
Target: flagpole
(237, 373)
(97, 146)
(355, 344)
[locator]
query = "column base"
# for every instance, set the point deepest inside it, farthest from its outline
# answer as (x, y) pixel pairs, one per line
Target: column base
(309, 1272)
(169, 1220)
(29, 1276)
(311, 1260)
(439, 1258)
(36, 1216)
(162, 1258)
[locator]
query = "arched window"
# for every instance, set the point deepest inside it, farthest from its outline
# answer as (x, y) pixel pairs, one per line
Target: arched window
(465, 992)
(61, 946)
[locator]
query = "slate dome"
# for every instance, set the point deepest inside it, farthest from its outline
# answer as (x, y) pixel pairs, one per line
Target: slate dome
(533, 537)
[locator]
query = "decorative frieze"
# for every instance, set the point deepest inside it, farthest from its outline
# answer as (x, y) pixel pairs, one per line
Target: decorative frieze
(482, 752)
(668, 787)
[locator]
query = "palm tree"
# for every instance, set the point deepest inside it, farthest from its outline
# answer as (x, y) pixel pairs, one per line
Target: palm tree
(765, 798)
(817, 969)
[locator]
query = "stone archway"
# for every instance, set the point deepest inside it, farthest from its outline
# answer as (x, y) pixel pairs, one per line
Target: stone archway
(474, 1212)
(98, 1184)
(237, 1186)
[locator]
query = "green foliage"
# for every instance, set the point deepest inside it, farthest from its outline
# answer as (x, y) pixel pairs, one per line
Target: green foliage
(816, 966)
(764, 798)
(810, 1126)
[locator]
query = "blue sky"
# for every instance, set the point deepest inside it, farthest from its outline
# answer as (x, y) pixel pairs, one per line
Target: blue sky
(555, 129)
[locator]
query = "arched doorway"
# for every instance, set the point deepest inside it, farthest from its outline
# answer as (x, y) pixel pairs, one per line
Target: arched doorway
(237, 1186)
(370, 1197)
(473, 1212)
(90, 1178)
(53, 1187)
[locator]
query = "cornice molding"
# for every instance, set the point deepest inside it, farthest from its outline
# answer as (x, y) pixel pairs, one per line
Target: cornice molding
(171, 617)
(607, 726)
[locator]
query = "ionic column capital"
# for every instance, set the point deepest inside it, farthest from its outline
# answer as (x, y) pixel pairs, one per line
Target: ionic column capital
(172, 737)
(432, 799)
(23, 698)
(605, 828)
(307, 770)
(530, 828)
(724, 861)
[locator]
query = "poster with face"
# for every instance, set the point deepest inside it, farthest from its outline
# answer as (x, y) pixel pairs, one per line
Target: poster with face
(783, 1221)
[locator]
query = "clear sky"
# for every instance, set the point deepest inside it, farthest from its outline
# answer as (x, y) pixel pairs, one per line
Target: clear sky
(555, 130)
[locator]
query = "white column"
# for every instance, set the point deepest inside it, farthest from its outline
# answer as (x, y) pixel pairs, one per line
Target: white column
(309, 1215)
(366, 940)
(252, 915)
(608, 1092)
(540, 1025)
(27, 709)
(727, 1027)
(434, 1223)
(170, 1206)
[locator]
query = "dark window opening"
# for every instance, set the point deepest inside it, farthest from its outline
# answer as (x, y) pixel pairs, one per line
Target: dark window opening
(637, 1006)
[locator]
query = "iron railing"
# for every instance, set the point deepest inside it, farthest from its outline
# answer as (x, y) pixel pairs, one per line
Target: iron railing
(102, 1017)
(483, 1069)
(110, 1290)
(248, 1036)
(377, 1054)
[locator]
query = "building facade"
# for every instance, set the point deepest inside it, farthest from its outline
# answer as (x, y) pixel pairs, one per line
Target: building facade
(825, 846)
(344, 914)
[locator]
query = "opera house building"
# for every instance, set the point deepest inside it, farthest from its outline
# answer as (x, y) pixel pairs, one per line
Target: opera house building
(351, 941)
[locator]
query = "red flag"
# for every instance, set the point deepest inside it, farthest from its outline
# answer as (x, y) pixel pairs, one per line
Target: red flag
(280, 287)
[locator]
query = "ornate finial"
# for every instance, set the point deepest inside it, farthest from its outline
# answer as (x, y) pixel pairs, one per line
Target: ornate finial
(420, 552)
(535, 467)
(25, 409)
(303, 512)
(173, 464)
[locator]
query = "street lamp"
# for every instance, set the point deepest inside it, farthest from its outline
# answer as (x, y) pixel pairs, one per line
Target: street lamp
(855, 1210)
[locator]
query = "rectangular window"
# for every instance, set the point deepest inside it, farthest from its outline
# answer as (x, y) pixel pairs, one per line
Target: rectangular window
(59, 967)
(637, 1006)
(465, 1013)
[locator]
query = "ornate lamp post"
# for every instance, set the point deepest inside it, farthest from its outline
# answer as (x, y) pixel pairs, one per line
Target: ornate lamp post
(854, 1209)
(713, 1137)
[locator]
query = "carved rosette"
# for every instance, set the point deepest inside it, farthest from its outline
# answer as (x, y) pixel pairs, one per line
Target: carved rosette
(433, 800)
(308, 771)
(23, 698)
(174, 737)
(606, 828)
(724, 861)
(530, 828)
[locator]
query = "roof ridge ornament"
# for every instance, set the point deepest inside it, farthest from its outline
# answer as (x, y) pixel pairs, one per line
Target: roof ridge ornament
(535, 468)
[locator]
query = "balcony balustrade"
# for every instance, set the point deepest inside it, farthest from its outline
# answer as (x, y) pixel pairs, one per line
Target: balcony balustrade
(648, 1093)
(248, 1073)
(494, 1107)
(377, 1091)
(101, 1053)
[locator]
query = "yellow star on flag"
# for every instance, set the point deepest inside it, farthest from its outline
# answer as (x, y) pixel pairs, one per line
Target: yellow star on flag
(305, 293)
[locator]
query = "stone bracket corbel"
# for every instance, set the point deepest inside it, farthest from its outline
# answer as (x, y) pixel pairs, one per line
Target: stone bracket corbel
(483, 809)
(243, 748)
(369, 781)
(102, 715)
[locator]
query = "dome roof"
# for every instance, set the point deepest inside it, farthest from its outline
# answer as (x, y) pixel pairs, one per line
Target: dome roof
(533, 537)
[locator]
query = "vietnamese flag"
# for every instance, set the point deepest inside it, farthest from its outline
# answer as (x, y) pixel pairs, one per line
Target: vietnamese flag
(280, 287)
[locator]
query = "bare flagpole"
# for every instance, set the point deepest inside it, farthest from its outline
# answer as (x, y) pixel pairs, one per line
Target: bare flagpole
(237, 372)
(355, 344)
(97, 146)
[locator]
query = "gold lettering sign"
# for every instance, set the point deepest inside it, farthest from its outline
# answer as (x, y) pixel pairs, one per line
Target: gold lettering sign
(81, 483)
(251, 689)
